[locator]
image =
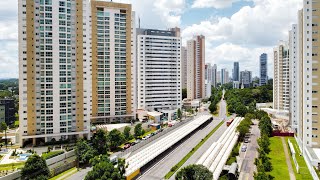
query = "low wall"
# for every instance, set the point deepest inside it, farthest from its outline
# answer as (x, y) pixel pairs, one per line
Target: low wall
(283, 134)
(61, 157)
(56, 170)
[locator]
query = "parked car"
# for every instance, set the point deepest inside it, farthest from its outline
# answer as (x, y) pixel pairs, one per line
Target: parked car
(145, 138)
(246, 140)
(133, 143)
(126, 146)
(244, 148)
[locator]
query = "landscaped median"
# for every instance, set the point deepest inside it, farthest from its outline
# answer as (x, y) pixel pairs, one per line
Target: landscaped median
(185, 158)
(51, 154)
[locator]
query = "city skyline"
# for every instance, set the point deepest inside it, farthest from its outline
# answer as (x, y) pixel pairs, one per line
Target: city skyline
(192, 17)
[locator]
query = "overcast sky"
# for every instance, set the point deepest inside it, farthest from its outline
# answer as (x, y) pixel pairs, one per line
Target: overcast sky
(235, 30)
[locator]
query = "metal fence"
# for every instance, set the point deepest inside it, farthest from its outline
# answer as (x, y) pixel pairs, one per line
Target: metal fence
(152, 138)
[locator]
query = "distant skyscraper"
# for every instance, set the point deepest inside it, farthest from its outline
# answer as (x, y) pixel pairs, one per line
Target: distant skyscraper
(236, 73)
(263, 69)
(196, 68)
(218, 77)
(245, 78)
(224, 76)
(214, 75)
(184, 65)
(159, 79)
(281, 81)
(208, 72)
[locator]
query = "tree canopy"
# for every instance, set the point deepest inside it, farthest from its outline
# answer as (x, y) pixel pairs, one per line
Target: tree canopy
(100, 141)
(138, 131)
(116, 138)
(194, 172)
(84, 151)
(103, 169)
(127, 134)
(35, 169)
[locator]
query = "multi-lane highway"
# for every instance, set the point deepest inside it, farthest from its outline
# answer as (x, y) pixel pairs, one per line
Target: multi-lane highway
(159, 169)
(163, 166)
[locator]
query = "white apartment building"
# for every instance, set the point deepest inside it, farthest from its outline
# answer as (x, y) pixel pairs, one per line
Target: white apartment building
(196, 68)
(214, 75)
(113, 62)
(208, 73)
(159, 69)
(295, 77)
(304, 78)
(281, 81)
(208, 88)
(75, 65)
(54, 70)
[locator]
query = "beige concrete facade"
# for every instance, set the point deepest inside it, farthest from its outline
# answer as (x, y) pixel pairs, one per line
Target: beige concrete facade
(111, 114)
(281, 90)
(196, 68)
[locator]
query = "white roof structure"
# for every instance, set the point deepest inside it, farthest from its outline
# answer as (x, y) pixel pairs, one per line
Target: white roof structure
(147, 154)
(217, 154)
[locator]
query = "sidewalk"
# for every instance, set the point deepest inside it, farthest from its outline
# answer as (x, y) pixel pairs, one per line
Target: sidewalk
(291, 173)
(71, 172)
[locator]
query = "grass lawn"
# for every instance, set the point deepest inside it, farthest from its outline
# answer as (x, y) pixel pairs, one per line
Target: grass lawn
(51, 154)
(65, 174)
(4, 167)
(16, 123)
(278, 159)
(185, 158)
(304, 171)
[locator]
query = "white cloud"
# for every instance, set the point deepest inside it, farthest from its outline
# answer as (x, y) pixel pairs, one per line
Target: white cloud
(225, 54)
(249, 30)
(170, 11)
(218, 4)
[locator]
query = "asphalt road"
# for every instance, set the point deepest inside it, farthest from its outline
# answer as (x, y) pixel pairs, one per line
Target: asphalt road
(248, 167)
(196, 156)
(163, 166)
(80, 174)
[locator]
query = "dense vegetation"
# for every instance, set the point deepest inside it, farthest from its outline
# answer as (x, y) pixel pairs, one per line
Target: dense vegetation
(215, 98)
(243, 101)
(104, 169)
(35, 169)
(263, 161)
(194, 172)
(5, 84)
(95, 152)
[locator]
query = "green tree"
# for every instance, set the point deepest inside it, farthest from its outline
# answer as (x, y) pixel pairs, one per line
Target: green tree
(194, 172)
(179, 113)
(4, 127)
(213, 107)
(127, 134)
(35, 169)
(138, 131)
(84, 151)
(103, 169)
(241, 110)
(184, 93)
(100, 141)
(264, 143)
(243, 130)
(116, 138)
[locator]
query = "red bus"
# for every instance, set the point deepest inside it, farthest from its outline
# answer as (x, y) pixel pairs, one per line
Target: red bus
(229, 122)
